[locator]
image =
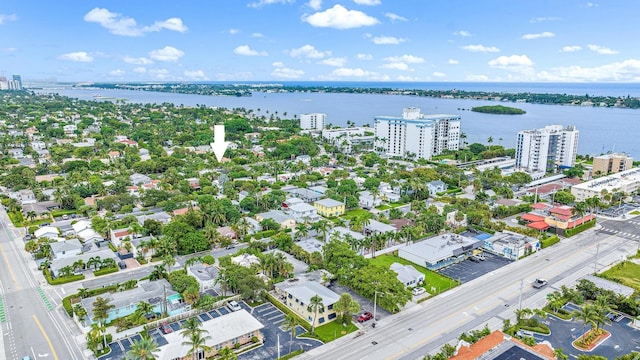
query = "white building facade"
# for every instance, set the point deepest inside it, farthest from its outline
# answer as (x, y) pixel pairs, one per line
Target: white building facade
(313, 121)
(416, 135)
(543, 149)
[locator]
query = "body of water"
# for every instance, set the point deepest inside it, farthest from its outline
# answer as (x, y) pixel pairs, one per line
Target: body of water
(601, 129)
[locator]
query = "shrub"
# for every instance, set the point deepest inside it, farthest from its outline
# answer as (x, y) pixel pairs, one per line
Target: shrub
(62, 280)
(545, 243)
(580, 228)
(105, 271)
(255, 339)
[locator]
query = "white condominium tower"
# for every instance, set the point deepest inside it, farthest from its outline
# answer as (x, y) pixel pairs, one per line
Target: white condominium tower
(312, 121)
(545, 149)
(416, 135)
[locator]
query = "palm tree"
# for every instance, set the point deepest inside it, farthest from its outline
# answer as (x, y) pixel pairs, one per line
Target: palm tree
(322, 226)
(227, 354)
(144, 308)
(315, 304)
(345, 306)
(195, 339)
(290, 323)
(588, 314)
(143, 349)
(555, 300)
(301, 231)
(168, 262)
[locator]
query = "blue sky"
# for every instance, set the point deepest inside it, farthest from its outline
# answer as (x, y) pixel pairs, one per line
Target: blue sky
(321, 40)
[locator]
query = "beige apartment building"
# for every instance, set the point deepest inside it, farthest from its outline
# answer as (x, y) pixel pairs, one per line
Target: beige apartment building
(611, 164)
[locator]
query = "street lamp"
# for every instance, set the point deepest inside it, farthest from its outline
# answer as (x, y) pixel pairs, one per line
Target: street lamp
(520, 298)
(595, 261)
(375, 298)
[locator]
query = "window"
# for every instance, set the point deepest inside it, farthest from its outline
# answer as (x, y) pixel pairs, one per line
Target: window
(321, 320)
(331, 316)
(330, 307)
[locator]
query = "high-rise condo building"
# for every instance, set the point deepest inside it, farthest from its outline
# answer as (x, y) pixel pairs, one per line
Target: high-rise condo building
(546, 149)
(416, 135)
(611, 163)
(313, 121)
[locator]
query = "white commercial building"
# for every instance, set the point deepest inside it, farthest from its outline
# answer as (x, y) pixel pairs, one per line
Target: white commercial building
(416, 135)
(346, 137)
(626, 182)
(540, 150)
(313, 121)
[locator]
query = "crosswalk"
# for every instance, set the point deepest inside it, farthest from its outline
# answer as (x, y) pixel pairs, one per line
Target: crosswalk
(625, 235)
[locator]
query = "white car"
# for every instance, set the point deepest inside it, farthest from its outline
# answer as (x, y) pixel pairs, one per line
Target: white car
(418, 291)
(233, 305)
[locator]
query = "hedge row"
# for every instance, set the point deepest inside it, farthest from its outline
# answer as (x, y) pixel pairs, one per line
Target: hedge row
(260, 235)
(552, 240)
(62, 280)
(580, 228)
(105, 271)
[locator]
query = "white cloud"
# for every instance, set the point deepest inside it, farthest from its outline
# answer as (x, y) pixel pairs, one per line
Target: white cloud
(167, 54)
(257, 35)
(9, 49)
(625, 71)
(138, 60)
(547, 18)
(338, 17)
(409, 59)
(315, 4)
(140, 70)
(351, 72)
(395, 17)
(571, 48)
(387, 40)
(160, 74)
(4, 18)
(438, 74)
(453, 61)
(308, 51)
(541, 35)
(245, 50)
(79, 56)
(395, 66)
(242, 75)
(117, 72)
(406, 78)
(233, 31)
(590, 5)
(337, 62)
(474, 77)
(261, 3)
(283, 72)
(364, 56)
(481, 48)
(367, 2)
(195, 75)
(513, 61)
(119, 24)
(602, 50)
(463, 33)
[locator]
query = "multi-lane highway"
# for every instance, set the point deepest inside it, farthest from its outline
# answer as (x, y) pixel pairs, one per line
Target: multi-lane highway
(425, 327)
(32, 322)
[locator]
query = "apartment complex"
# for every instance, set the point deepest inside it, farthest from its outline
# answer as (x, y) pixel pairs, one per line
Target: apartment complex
(416, 135)
(546, 149)
(346, 138)
(313, 121)
(14, 83)
(611, 163)
(627, 182)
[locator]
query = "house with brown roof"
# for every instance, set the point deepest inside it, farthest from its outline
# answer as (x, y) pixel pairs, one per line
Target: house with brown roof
(184, 210)
(500, 345)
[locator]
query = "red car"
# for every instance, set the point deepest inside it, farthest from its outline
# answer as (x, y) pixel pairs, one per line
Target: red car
(365, 316)
(165, 328)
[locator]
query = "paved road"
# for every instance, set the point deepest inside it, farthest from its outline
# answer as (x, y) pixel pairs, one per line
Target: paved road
(490, 299)
(33, 324)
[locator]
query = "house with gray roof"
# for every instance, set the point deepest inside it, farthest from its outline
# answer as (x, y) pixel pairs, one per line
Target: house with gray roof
(296, 294)
(440, 251)
(408, 275)
(306, 195)
(206, 275)
(436, 186)
(285, 220)
(60, 263)
(66, 249)
(377, 227)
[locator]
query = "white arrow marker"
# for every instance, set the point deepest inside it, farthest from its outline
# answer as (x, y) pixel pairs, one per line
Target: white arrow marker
(219, 145)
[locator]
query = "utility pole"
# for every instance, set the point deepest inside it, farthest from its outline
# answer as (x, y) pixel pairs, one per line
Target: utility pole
(520, 298)
(595, 261)
(375, 298)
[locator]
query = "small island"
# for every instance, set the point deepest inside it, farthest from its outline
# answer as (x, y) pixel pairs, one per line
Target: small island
(498, 109)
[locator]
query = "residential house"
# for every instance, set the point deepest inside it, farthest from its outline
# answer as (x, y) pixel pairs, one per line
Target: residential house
(305, 159)
(377, 227)
(234, 329)
(246, 260)
(437, 186)
(306, 195)
(69, 129)
(118, 235)
(113, 155)
(226, 231)
(440, 251)
(367, 201)
(286, 221)
(57, 264)
(303, 212)
(66, 249)
(206, 275)
(46, 231)
(16, 153)
(38, 145)
(296, 294)
(182, 211)
(329, 207)
(144, 155)
(26, 196)
(388, 193)
(408, 275)
(137, 179)
(161, 217)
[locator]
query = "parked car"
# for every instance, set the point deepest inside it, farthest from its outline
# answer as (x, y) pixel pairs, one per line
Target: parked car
(122, 264)
(27, 357)
(233, 305)
(44, 224)
(474, 258)
(165, 328)
(418, 291)
(230, 247)
(539, 283)
(28, 237)
(65, 217)
(365, 316)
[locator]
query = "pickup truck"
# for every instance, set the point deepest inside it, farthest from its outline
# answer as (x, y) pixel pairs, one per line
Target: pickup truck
(539, 283)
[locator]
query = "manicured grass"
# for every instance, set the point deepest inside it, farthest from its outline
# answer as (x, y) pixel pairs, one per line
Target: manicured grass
(635, 212)
(627, 273)
(332, 331)
(432, 278)
(383, 207)
(355, 212)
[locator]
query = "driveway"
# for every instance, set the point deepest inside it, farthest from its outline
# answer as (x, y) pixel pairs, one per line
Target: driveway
(365, 304)
(271, 317)
(468, 270)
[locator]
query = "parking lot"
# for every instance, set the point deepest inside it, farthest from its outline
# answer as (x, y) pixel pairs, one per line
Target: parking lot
(365, 304)
(621, 210)
(468, 270)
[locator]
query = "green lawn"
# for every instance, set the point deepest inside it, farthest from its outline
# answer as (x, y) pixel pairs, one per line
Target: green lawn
(355, 212)
(627, 273)
(332, 331)
(383, 207)
(432, 278)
